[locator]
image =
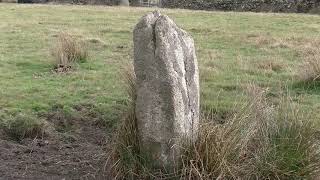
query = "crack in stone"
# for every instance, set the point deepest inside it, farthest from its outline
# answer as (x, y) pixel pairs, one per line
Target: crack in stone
(187, 84)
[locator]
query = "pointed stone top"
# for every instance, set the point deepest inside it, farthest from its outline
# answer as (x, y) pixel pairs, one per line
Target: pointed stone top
(148, 19)
(156, 13)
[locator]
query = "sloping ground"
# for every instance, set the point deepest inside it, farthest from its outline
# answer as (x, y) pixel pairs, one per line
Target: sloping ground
(77, 154)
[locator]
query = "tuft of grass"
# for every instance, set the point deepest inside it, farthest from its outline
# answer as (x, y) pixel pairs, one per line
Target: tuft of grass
(260, 141)
(125, 156)
(96, 41)
(126, 160)
(310, 70)
(270, 66)
(67, 51)
(24, 126)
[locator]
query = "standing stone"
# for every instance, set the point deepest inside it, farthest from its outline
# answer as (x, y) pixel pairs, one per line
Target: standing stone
(167, 104)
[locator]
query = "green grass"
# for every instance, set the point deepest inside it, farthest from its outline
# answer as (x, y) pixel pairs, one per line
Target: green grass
(232, 49)
(24, 125)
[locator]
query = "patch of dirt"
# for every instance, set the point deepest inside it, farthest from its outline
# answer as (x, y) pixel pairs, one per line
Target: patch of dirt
(80, 152)
(60, 68)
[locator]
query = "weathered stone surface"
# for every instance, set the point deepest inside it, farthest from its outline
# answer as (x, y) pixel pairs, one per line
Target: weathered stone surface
(167, 105)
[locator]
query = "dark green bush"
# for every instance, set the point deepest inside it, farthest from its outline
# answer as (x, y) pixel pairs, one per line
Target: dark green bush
(299, 6)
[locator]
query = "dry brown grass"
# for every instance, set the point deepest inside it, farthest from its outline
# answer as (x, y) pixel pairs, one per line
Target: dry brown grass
(310, 70)
(267, 41)
(309, 52)
(307, 49)
(97, 42)
(25, 125)
(270, 65)
(263, 40)
(259, 141)
(223, 150)
(68, 50)
(125, 159)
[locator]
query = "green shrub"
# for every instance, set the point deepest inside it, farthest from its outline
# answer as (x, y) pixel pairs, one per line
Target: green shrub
(315, 10)
(300, 6)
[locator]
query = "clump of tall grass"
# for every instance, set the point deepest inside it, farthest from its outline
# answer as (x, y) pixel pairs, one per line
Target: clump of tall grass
(68, 50)
(259, 141)
(24, 125)
(310, 70)
(126, 160)
(125, 156)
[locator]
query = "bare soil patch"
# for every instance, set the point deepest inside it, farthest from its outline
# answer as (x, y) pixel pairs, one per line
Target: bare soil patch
(77, 153)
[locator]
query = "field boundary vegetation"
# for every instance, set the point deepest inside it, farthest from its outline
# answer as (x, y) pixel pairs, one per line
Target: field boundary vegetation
(286, 6)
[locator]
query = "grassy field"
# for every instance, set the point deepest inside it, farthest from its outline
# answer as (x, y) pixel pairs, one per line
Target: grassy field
(233, 49)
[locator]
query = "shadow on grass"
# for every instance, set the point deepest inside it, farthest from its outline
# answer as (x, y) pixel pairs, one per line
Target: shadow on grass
(312, 87)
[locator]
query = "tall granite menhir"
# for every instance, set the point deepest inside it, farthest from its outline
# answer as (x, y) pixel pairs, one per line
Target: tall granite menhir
(167, 104)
